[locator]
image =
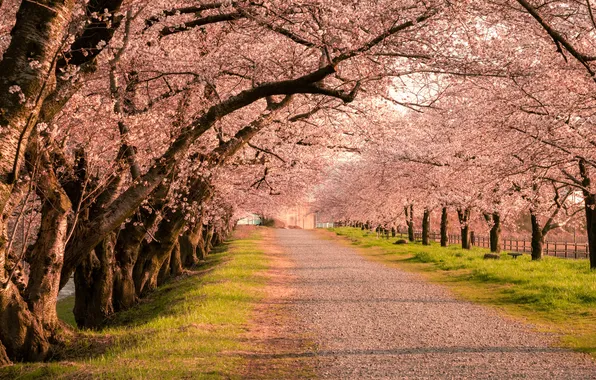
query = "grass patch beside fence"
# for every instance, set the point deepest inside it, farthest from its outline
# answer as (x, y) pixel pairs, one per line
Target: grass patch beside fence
(557, 295)
(191, 327)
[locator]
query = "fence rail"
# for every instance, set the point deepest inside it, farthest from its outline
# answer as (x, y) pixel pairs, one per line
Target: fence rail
(326, 225)
(573, 250)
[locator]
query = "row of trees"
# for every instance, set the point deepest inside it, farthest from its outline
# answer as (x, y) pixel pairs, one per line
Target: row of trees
(491, 147)
(132, 133)
(130, 129)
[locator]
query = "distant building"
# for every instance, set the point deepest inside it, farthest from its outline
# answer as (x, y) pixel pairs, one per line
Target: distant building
(298, 217)
(250, 219)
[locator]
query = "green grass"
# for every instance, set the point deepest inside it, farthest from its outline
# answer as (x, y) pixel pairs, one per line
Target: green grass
(190, 328)
(64, 310)
(557, 294)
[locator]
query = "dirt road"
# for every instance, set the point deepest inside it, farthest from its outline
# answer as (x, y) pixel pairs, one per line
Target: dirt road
(372, 321)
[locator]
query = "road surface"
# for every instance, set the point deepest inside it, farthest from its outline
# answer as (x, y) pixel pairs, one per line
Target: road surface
(373, 321)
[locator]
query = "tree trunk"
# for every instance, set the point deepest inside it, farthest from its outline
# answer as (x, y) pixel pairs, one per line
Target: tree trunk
(202, 246)
(153, 254)
(464, 219)
(410, 221)
(426, 227)
(94, 286)
(23, 337)
(537, 237)
(46, 257)
(37, 35)
(175, 261)
(590, 210)
(126, 254)
(45, 261)
(209, 239)
(28, 322)
(164, 270)
(190, 253)
(4, 359)
(591, 230)
(128, 246)
(495, 233)
(444, 228)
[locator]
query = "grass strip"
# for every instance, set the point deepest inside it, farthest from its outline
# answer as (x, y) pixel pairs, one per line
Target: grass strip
(554, 294)
(191, 327)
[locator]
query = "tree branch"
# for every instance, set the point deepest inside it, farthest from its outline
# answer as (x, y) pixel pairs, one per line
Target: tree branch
(559, 39)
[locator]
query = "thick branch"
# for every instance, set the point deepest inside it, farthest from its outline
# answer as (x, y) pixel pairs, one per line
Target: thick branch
(169, 30)
(558, 38)
(184, 10)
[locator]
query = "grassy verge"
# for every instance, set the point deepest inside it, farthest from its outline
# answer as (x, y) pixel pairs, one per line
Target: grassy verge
(556, 295)
(190, 328)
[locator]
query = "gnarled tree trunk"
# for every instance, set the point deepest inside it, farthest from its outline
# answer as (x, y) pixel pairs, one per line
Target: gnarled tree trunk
(209, 238)
(94, 285)
(153, 254)
(190, 253)
(176, 261)
(164, 270)
(36, 36)
(129, 244)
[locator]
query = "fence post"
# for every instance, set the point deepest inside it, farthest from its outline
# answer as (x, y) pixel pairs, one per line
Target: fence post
(565, 249)
(547, 247)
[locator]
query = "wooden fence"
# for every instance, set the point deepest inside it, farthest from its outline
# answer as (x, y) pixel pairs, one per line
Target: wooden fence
(572, 250)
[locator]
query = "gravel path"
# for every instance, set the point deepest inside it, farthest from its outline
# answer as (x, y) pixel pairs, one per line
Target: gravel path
(372, 321)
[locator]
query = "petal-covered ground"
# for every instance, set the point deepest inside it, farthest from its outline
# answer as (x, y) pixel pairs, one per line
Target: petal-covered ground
(371, 321)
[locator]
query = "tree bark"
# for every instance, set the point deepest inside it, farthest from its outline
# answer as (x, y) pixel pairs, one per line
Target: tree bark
(164, 270)
(190, 254)
(537, 237)
(590, 212)
(410, 221)
(30, 319)
(94, 285)
(464, 220)
(36, 35)
(176, 261)
(591, 229)
(128, 246)
(4, 359)
(23, 337)
(444, 228)
(46, 257)
(153, 254)
(209, 239)
(426, 227)
(495, 233)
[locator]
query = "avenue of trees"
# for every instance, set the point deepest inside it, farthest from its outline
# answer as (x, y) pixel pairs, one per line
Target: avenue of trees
(133, 133)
